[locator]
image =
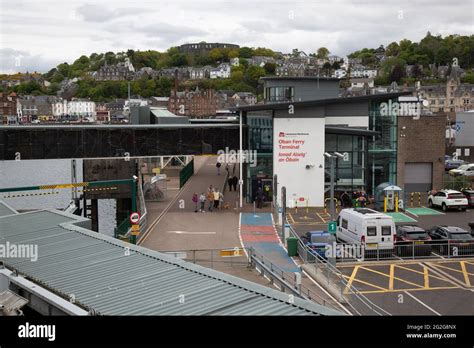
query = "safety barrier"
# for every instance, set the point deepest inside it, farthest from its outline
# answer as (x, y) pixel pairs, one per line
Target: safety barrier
(412, 195)
(358, 302)
(336, 204)
(186, 173)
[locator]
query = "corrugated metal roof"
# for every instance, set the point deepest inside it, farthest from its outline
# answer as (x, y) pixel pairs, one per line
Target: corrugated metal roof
(97, 270)
(6, 209)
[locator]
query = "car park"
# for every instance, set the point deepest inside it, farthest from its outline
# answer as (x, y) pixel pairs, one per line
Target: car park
(469, 196)
(366, 227)
(318, 241)
(448, 199)
(465, 170)
(412, 241)
(451, 240)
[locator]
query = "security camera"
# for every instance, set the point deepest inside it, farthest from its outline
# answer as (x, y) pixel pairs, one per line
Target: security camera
(135, 177)
(340, 155)
(327, 155)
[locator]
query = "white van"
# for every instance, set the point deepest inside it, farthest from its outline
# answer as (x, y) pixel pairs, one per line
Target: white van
(366, 226)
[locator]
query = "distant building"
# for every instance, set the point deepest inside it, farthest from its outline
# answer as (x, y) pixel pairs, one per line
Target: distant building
(196, 104)
(118, 72)
(260, 60)
(362, 72)
(247, 97)
(221, 72)
(202, 47)
(451, 97)
(102, 114)
(77, 108)
(8, 108)
(200, 73)
(234, 61)
(39, 107)
(339, 73)
(360, 82)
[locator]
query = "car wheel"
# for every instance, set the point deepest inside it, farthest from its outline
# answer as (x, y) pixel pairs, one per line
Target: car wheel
(430, 203)
(444, 207)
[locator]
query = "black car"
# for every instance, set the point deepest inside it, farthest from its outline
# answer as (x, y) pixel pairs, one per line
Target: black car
(451, 240)
(412, 241)
(470, 196)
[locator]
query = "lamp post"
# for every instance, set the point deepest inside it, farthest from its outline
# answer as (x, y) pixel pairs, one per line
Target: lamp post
(332, 157)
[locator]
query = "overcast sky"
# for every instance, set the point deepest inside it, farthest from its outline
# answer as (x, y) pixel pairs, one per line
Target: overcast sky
(39, 34)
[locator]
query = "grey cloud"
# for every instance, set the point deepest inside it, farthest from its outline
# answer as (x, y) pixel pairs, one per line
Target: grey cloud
(100, 13)
(12, 61)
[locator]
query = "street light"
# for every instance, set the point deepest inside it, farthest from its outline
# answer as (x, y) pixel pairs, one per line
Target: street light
(332, 157)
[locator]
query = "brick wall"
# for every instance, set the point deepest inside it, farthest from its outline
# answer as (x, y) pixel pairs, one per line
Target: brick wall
(422, 141)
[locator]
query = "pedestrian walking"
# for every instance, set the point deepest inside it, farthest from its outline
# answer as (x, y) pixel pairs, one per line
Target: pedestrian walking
(260, 198)
(195, 201)
(210, 199)
(218, 166)
(230, 182)
(235, 181)
(216, 199)
(202, 200)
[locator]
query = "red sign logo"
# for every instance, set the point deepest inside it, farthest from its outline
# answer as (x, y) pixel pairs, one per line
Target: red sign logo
(282, 134)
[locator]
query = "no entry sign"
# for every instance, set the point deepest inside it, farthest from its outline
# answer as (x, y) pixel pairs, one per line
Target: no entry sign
(134, 218)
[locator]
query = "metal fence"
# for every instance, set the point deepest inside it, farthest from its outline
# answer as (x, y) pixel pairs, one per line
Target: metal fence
(287, 281)
(358, 303)
(218, 259)
(403, 250)
(457, 182)
(186, 173)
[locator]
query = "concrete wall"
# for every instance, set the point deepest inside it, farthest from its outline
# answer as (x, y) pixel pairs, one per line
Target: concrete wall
(421, 141)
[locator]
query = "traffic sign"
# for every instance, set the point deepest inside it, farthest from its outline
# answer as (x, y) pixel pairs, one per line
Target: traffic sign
(136, 228)
(332, 227)
(134, 218)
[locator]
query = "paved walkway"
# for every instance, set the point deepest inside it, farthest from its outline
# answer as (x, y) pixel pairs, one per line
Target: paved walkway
(257, 231)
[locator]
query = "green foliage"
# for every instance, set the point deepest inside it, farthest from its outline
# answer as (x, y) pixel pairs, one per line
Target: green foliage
(252, 75)
(245, 52)
(322, 53)
(270, 68)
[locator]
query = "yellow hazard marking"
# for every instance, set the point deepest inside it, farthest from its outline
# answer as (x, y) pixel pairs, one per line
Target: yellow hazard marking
(425, 273)
(231, 252)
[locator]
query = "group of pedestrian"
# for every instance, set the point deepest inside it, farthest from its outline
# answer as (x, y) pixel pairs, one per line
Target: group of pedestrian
(213, 197)
(360, 199)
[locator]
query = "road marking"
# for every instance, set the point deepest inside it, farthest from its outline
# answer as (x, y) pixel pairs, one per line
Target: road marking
(426, 277)
(367, 283)
(351, 279)
(385, 275)
(437, 254)
(392, 273)
(422, 303)
(466, 274)
(424, 270)
(328, 294)
(189, 232)
(448, 277)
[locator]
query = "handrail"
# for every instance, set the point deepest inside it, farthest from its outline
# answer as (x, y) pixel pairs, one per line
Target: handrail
(332, 269)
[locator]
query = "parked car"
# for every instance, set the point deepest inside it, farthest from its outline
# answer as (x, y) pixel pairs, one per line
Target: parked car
(451, 240)
(318, 241)
(470, 196)
(448, 199)
(465, 169)
(412, 241)
(452, 163)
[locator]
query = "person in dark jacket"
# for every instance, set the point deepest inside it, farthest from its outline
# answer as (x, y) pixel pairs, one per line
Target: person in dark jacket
(260, 198)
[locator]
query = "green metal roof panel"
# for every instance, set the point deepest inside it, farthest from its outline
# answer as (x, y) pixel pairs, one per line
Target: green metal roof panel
(97, 270)
(6, 210)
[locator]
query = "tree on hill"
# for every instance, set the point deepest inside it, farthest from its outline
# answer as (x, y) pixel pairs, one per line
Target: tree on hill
(322, 53)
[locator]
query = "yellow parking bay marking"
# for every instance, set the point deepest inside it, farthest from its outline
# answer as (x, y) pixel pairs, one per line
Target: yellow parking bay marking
(322, 219)
(388, 276)
(392, 273)
(391, 280)
(352, 277)
(465, 273)
(288, 215)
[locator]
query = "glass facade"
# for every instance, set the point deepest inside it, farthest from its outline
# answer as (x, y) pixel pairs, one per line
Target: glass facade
(260, 139)
(382, 148)
(102, 141)
(279, 94)
(351, 172)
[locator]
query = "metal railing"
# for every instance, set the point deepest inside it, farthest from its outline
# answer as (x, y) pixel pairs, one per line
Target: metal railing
(409, 250)
(358, 303)
(212, 258)
(286, 280)
(186, 173)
